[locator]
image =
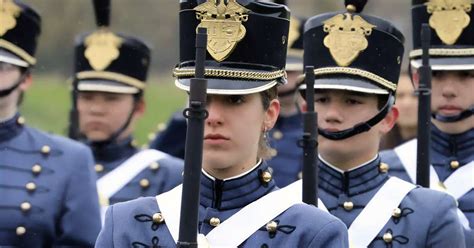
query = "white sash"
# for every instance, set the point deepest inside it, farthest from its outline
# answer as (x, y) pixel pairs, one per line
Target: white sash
(237, 228)
(378, 212)
(457, 184)
(116, 179)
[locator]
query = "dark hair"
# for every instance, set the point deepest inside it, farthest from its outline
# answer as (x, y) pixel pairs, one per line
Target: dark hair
(264, 150)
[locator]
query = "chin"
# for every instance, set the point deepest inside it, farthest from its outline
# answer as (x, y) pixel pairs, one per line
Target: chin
(96, 136)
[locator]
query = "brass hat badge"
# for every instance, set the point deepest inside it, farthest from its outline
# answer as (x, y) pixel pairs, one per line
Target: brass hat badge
(9, 11)
(224, 25)
(102, 47)
(449, 18)
(346, 38)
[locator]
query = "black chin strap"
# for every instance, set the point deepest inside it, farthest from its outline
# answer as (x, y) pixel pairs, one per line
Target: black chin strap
(6, 92)
(361, 127)
(454, 118)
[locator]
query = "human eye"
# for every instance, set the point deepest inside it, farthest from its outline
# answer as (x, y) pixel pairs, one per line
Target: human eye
(320, 99)
(236, 99)
(353, 101)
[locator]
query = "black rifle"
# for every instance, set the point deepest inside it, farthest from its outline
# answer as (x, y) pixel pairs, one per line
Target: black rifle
(424, 112)
(310, 143)
(195, 113)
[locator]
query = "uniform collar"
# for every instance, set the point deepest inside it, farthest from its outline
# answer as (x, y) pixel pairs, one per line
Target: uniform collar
(11, 127)
(453, 145)
(358, 180)
(113, 151)
(235, 192)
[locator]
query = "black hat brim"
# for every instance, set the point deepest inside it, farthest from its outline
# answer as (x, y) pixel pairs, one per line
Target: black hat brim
(349, 84)
(446, 63)
(229, 86)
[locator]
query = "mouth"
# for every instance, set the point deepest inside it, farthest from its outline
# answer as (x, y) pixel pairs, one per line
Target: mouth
(450, 109)
(215, 139)
(331, 129)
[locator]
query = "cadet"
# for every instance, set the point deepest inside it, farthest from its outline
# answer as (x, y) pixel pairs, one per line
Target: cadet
(47, 182)
(110, 78)
(452, 124)
(242, 107)
(357, 64)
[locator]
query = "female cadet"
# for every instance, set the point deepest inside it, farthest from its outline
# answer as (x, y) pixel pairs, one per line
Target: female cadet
(242, 108)
(357, 64)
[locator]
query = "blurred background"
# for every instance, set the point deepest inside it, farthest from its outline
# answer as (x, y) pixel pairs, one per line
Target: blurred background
(46, 104)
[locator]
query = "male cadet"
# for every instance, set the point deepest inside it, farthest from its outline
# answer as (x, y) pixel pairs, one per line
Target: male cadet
(452, 104)
(47, 183)
(110, 75)
(356, 61)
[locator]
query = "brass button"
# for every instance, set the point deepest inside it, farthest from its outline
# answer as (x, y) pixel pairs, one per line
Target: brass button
(273, 152)
(154, 166)
(387, 237)
(151, 136)
(36, 169)
(266, 177)
(25, 206)
(98, 168)
(158, 218)
(30, 186)
(454, 164)
(383, 167)
(277, 134)
(348, 205)
(45, 149)
(160, 127)
(397, 212)
(21, 120)
(144, 183)
(271, 226)
(20, 231)
(134, 143)
(214, 221)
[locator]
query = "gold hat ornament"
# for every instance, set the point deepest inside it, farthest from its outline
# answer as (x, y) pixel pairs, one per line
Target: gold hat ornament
(9, 11)
(102, 47)
(449, 18)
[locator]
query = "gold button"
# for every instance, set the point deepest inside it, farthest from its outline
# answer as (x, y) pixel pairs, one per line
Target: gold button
(161, 126)
(36, 169)
(158, 218)
(454, 164)
(277, 134)
(214, 221)
(387, 237)
(383, 167)
(348, 205)
(45, 149)
(273, 152)
(134, 143)
(266, 176)
(154, 166)
(20, 120)
(25, 206)
(151, 136)
(144, 183)
(271, 226)
(98, 168)
(30, 186)
(21, 230)
(397, 212)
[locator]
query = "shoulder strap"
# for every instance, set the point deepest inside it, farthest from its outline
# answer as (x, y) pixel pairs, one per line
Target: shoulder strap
(378, 212)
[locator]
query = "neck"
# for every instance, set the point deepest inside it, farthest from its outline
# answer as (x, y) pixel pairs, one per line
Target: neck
(348, 163)
(7, 113)
(230, 172)
(455, 127)
(407, 132)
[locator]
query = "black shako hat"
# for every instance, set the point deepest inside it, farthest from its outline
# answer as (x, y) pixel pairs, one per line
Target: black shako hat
(353, 51)
(452, 35)
(110, 62)
(246, 48)
(20, 28)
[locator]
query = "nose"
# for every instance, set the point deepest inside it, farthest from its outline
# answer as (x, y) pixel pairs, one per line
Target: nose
(215, 117)
(448, 90)
(332, 113)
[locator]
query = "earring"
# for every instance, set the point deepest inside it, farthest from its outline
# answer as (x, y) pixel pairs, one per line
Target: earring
(265, 132)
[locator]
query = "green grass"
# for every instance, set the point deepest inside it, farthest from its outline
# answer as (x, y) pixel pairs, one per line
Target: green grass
(46, 105)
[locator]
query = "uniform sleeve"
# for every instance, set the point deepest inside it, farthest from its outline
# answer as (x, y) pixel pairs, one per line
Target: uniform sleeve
(445, 229)
(79, 223)
(105, 238)
(332, 235)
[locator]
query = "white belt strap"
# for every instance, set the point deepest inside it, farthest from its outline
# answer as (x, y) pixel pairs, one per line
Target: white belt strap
(116, 179)
(461, 181)
(378, 212)
(236, 229)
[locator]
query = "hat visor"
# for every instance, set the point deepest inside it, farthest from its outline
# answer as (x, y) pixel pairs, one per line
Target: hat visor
(106, 86)
(446, 63)
(229, 86)
(349, 84)
(10, 58)
(294, 64)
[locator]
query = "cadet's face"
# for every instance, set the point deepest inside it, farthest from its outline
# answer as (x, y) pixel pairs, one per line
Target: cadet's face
(407, 103)
(232, 132)
(452, 92)
(9, 76)
(101, 114)
(339, 110)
